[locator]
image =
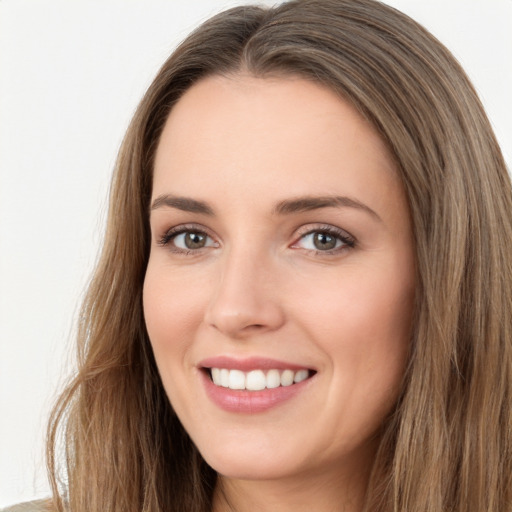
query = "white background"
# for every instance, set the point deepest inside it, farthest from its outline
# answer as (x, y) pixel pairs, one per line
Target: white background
(71, 74)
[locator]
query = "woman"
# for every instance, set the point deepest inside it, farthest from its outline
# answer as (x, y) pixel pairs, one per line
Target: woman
(304, 297)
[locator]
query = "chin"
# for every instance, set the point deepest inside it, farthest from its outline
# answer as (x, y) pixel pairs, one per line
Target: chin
(251, 462)
(254, 469)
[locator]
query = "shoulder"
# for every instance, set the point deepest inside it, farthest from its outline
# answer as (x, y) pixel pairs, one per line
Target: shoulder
(30, 506)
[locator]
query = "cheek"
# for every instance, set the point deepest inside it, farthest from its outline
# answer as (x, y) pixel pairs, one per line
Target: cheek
(372, 307)
(172, 311)
(364, 326)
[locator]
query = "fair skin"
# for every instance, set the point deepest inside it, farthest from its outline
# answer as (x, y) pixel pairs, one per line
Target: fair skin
(281, 243)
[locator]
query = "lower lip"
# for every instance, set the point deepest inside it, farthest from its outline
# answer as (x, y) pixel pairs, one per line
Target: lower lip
(250, 402)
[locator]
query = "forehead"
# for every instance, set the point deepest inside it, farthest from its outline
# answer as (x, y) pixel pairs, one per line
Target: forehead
(272, 137)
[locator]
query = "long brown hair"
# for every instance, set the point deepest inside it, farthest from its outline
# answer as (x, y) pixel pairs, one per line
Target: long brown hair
(447, 446)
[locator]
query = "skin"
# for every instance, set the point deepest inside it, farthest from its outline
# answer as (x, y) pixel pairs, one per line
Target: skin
(260, 287)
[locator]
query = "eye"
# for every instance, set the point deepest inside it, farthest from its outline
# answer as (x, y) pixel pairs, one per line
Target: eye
(325, 240)
(185, 240)
(192, 240)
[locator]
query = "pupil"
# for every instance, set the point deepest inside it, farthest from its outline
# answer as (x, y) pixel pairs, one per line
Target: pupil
(324, 241)
(194, 240)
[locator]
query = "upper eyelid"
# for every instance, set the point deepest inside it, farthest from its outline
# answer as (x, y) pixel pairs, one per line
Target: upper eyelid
(168, 234)
(309, 228)
(180, 228)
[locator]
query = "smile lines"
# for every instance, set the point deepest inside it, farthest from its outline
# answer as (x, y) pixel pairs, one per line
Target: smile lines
(256, 380)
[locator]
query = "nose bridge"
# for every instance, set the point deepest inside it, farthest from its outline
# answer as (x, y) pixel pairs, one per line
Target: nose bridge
(244, 298)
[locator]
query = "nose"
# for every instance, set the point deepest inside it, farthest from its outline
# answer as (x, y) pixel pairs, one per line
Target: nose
(245, 300)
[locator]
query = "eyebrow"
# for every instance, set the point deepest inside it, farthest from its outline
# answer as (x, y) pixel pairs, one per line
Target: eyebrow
(186, 204)
(307, 203)
(286, 207)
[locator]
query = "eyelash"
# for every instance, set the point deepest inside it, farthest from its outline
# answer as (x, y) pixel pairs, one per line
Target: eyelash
(173, 233)
(348, 241)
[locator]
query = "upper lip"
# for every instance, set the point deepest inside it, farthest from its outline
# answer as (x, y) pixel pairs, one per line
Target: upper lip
(250, 363)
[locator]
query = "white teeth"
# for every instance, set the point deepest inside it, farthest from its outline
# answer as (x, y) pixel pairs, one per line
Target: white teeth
(224, 378)
(273, 379)
(287, 378)
(256, 380)
(216, 376)
(300, 376)
(236, 379)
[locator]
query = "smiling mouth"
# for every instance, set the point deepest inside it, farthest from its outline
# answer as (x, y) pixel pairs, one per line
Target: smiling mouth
(257, 380)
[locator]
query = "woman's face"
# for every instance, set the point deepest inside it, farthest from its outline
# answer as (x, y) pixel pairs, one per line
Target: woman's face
(281, 250)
